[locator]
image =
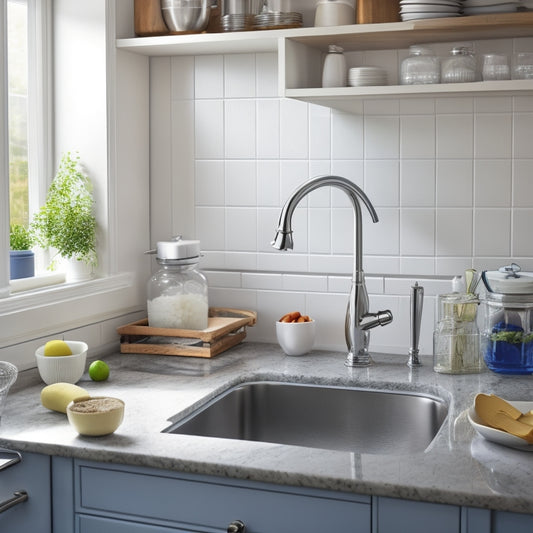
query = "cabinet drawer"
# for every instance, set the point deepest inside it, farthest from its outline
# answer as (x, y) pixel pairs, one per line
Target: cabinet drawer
(93, 524)
(161, 497)
(393, 516)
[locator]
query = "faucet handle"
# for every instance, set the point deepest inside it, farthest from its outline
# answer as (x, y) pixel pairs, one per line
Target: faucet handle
(417, 301)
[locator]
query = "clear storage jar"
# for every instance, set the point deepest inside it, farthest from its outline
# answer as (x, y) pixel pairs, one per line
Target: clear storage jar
(460, 67)
(456, 336)
(421, 67)
(177, 292)
(507, 333)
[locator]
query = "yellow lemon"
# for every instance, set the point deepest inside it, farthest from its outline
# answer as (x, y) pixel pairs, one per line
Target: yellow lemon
(57, 348)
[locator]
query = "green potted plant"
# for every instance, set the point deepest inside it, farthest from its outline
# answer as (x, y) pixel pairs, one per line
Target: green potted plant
(21, 256)
(66, 222)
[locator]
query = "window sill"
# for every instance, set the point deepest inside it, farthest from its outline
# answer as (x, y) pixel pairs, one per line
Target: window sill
(35, 314)
(36, 282)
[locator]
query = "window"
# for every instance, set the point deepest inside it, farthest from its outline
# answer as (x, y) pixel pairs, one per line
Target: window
(17, 48)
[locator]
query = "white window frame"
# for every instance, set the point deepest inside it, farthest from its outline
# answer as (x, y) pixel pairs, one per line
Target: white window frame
(119, 288)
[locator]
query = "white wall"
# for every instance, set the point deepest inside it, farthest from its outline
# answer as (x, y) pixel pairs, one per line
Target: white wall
(451, 179)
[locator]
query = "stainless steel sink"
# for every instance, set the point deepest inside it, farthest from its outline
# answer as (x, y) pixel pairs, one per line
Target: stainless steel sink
(334, 418)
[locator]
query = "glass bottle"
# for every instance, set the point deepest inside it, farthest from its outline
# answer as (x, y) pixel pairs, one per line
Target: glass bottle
(334, 73)
(456, 337)
(177, 292)
(421, 67)
(460, 67)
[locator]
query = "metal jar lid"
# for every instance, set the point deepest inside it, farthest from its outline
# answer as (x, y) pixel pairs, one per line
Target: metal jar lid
(177, 249)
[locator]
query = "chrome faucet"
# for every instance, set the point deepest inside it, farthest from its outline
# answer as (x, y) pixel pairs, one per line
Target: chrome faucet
(359, 321)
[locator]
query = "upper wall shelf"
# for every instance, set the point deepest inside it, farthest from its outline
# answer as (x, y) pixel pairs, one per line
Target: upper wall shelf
(354, 37)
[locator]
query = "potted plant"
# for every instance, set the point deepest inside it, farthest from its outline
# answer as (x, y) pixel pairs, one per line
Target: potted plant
(21, 256)
(66, 222)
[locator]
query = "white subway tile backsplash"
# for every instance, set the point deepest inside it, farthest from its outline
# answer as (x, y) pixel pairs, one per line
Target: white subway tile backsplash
(241, 228)
(209, 129)
(454, 232)
(522, 128)
(417, 232)
(522, 241)
(268, 178)
(492, 232)
(522, 187)
(455, 183)
(294, 130)
(492, 178)
(239, 129)
(382, 182)
(417, 183)
(241, 183)
(493, 135)
(450, 179)
(208, 76)
(417, 137)
(382, 137)
(347, 136)
(239, 76)
(319, 132)
(268, 136)
(455, 136)
(209, 182)
(266, 75)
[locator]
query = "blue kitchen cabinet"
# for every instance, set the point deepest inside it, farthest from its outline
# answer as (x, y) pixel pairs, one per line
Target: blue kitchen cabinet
(109, 498)
(29, 473)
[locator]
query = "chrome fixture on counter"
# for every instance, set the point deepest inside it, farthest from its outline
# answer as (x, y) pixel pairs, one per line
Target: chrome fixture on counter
(417, 302)
(358, 319)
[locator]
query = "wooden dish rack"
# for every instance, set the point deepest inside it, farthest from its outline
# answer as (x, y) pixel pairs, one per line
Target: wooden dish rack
(226, 328)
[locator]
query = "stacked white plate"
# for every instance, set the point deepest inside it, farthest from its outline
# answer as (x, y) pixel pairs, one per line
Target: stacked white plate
(482, 7)
(367, 76)
(428, 9)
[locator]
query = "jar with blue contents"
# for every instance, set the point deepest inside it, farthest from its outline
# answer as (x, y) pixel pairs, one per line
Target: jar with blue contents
(507, 333)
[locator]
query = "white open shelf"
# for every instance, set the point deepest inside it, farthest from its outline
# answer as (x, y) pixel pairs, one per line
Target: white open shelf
(300, 53)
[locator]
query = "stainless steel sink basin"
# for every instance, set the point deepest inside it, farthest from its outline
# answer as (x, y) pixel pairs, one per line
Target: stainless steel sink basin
(334, 418)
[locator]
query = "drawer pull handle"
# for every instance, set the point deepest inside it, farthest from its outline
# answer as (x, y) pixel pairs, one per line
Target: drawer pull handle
(19, 496)
(236, 527)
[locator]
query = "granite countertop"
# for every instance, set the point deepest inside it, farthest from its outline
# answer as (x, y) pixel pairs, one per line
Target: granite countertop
(459, 467)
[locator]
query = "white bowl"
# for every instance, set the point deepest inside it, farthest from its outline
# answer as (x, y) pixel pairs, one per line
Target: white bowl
(63, 368)
(296, 338)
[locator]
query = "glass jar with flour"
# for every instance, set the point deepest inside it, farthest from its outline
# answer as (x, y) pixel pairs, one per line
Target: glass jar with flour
(177, 292)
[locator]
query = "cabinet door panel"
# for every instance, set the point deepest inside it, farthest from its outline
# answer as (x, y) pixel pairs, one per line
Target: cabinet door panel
(404, 516)
(511, 522)
(153, 495)
(32, 474)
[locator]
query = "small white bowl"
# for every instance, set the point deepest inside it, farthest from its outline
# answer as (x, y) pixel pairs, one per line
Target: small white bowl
(296, 338)
(63, 368)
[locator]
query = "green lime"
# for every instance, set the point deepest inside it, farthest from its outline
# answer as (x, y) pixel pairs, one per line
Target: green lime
(98, 371)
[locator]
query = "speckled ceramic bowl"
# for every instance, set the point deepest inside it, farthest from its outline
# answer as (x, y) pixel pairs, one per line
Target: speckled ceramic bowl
(96, 416)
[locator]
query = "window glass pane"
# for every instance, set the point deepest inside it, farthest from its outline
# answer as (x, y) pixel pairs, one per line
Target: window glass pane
(17, 16)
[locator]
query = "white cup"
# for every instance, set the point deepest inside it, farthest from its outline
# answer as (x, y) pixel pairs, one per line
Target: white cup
(496, 67)
(334, 13)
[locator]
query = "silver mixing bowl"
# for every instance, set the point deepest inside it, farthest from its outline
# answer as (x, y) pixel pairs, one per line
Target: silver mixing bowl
(186, 15)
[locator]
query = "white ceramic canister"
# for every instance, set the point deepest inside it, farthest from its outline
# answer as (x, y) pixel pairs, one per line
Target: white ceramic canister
(334, 73)
(334, 12)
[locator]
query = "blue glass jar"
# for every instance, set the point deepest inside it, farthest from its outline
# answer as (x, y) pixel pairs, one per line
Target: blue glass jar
(507, 334)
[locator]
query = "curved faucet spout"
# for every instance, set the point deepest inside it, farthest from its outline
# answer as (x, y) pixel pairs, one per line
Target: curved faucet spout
(357, 315)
